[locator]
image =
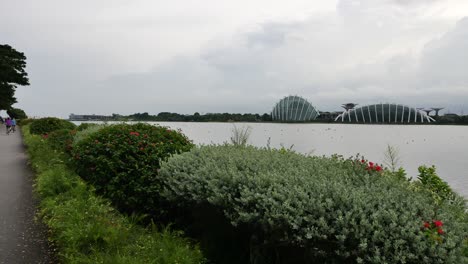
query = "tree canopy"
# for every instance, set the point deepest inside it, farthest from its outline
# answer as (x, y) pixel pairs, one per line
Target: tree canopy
(16, 113)
(12, 73)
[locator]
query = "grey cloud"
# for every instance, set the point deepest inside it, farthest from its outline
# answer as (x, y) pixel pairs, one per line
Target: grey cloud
(445, 61)
(369, 51)
(243, 77)
(270, 34)
(415, 2)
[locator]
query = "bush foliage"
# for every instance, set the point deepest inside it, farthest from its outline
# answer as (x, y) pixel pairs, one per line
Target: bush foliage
(84, 126)
(440, 190)
(284, 207)
(23, 122)
(61, 139)
(46, 125)
(85, 228)
(121, 161)
(83, 132)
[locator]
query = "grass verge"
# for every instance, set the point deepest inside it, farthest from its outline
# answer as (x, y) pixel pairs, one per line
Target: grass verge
(85, 228)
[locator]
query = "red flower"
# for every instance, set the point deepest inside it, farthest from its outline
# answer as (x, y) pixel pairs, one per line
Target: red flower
(371, 164)
(438, 223)
(378, 168)
(427, 225)
(45, 136)
(363, 161)
(133, 133)
(440, 231)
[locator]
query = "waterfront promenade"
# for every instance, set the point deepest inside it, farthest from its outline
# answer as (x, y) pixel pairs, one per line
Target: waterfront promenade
(22, 238)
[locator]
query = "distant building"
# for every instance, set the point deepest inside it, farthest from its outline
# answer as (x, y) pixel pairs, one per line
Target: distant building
(384, 113)
(294, 109)
(73, 117)
(349, 106)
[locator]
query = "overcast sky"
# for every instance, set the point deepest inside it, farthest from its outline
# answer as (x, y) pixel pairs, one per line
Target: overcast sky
(186, 56)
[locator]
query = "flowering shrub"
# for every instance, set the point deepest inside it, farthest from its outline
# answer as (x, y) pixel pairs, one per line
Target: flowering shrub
(288, 208)
(85, 132)
(434, 230)
(121, 161)
(46, 125)
(84, 228)
(61, 139)
(371, 166)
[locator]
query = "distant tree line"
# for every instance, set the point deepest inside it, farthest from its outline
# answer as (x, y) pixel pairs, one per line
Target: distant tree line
(452, 119)
(228, 117)
(197, 117)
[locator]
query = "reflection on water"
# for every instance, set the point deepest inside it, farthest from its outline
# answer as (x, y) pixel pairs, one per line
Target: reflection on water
(446, 147)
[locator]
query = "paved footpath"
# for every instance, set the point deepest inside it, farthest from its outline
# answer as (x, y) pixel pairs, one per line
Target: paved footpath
(22, 238)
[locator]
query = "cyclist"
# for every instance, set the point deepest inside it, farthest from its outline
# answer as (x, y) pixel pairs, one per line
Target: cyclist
(8, 125)
(13, 124)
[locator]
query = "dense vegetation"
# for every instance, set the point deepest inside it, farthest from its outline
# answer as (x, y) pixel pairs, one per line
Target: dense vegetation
(121, 161)
(84, 227)
(61, 139)
(243, 204)
(282, 207)
(453, 119)
(46, 125)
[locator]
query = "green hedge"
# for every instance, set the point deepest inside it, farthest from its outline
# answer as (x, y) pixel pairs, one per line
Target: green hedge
(85, 228)
(61, 140)
(48, 124)
(282, 207)
(121, 161)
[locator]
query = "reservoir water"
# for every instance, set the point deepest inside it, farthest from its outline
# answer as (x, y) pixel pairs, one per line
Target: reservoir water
(446, 147)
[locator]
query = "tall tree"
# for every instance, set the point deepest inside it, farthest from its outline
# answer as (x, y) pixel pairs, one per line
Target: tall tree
(12, 73)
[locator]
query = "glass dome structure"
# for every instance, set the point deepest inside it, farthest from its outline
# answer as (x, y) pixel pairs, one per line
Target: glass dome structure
(384, 113)
(294, 109)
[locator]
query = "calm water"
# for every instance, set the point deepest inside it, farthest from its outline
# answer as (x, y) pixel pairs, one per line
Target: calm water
(446, 147)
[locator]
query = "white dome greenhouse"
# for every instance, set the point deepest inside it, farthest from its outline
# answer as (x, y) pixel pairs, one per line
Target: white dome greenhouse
(384, 113)
(294, 109)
